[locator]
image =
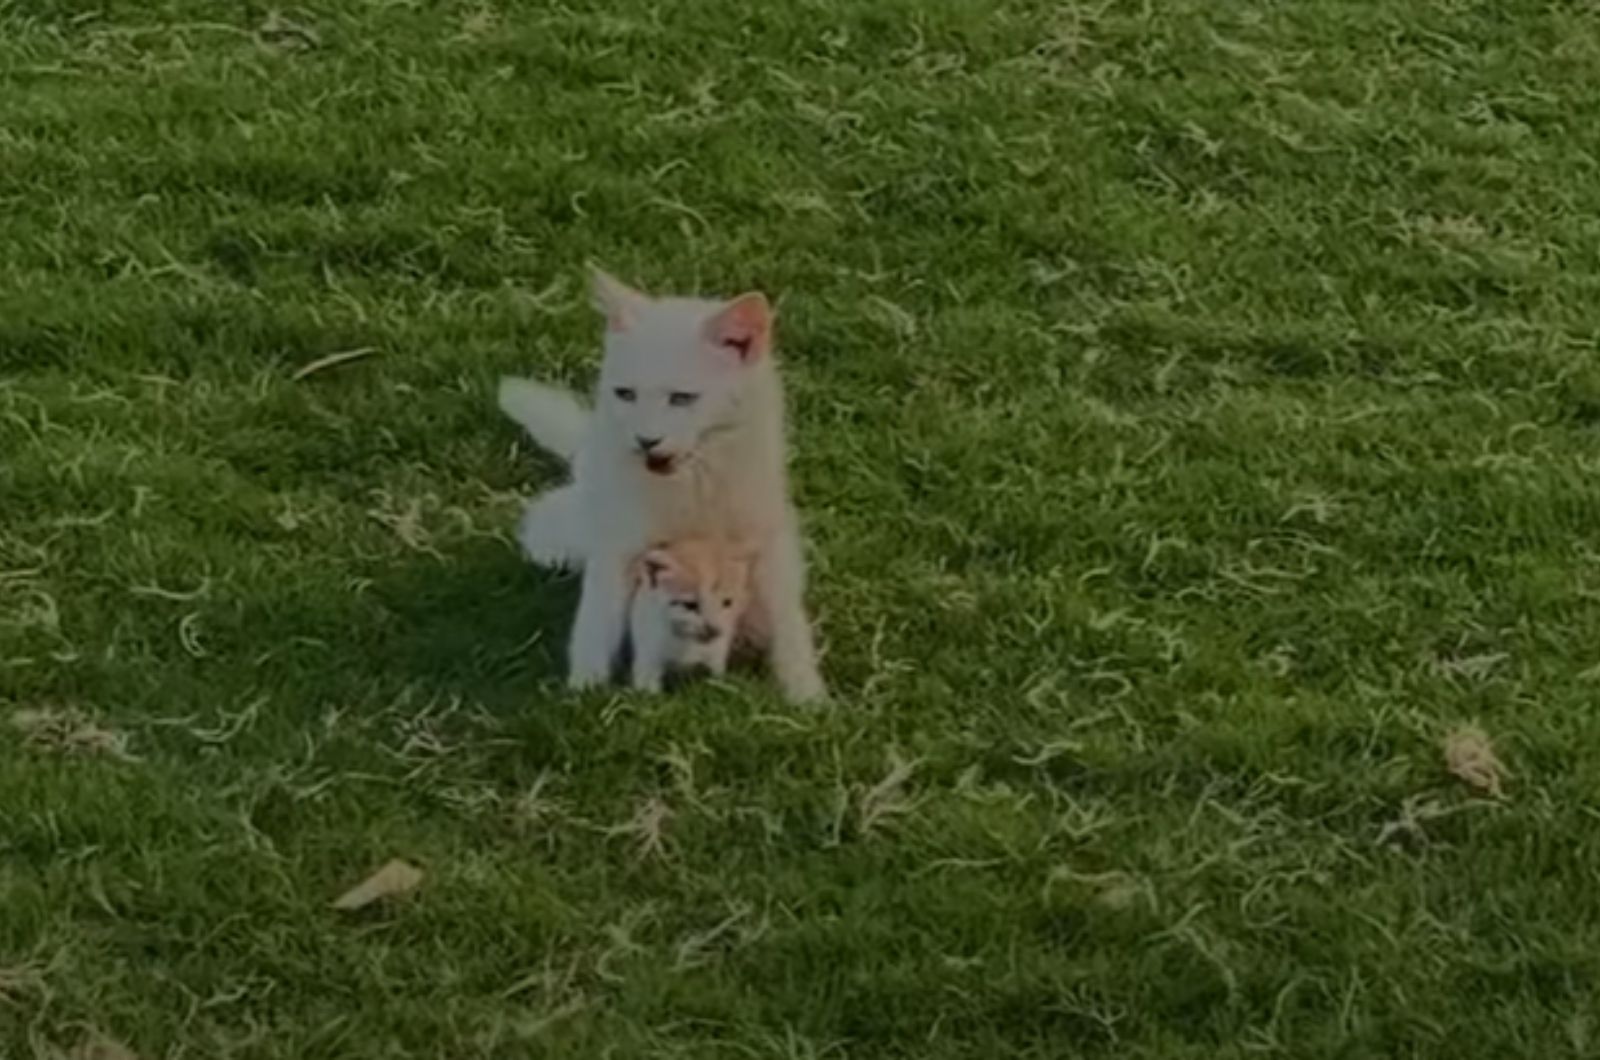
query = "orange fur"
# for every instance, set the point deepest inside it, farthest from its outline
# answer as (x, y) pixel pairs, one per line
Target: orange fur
(700, 564)
(690, 604)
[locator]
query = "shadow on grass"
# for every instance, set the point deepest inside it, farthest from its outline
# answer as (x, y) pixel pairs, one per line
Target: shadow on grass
(484, 625)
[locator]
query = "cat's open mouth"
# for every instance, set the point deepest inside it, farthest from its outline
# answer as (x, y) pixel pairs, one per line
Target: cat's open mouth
(660, 464)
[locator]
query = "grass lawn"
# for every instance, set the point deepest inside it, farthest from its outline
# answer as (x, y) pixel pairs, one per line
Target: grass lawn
(1196, 415)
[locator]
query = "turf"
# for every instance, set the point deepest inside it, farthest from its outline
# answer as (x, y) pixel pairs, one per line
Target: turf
(1196, 415)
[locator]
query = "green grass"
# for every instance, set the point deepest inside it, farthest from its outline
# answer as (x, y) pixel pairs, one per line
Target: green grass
(1196, 415)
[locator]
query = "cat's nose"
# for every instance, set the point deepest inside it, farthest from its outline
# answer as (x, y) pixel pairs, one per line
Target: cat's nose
(709, 633)
(646, 444)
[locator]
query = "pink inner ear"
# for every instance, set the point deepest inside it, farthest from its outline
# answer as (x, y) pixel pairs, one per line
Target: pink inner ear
(614, 298)
(744, 327)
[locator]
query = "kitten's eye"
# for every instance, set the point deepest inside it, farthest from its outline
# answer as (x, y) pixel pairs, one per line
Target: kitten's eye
(727, 601)
(682, 399)
(691, 606)
(625, 393)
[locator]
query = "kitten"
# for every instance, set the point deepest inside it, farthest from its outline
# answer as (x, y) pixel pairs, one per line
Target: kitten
(689, 597)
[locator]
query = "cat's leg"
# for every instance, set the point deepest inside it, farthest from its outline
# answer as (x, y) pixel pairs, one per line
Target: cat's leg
(602, 621)
(649, 637)
(780, 586)
(717, 663)
(711, 658)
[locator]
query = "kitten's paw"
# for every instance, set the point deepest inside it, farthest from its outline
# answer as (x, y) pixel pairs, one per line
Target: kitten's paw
(647, 678)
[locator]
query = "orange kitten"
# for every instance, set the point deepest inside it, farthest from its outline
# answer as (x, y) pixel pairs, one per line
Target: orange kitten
(689, 596)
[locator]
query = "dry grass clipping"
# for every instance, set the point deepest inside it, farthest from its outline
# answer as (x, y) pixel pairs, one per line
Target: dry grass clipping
(21, 982)
(647, 827)
(887, 799)
(1469, 754)
(69, 732)
(332, 360)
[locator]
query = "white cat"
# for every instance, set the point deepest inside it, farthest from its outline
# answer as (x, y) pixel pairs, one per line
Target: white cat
(686, 439)
(689, 596)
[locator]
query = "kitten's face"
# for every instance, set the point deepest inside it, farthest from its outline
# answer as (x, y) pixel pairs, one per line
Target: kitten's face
(705, 587)
(674, 369)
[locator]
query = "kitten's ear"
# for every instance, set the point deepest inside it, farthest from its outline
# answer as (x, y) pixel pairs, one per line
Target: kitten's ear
(742, 550)
(743, 327)
(619, 302)
(657, 564)
(740, 563)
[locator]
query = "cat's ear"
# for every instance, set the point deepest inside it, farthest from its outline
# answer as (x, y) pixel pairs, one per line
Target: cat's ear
(743, 327)
(657, 564)
(619, 302)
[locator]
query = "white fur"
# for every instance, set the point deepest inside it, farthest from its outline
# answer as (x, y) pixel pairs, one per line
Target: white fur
(555, 418)
(729, 478)
(558, 421)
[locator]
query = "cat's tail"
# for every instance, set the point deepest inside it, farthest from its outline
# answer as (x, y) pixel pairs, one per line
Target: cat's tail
(555, 418)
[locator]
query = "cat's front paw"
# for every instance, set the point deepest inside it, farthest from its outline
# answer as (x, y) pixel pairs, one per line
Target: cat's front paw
(804, 688)
(584, 678)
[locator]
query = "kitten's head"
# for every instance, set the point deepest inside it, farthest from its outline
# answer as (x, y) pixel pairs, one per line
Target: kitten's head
(674, 368)
(705, 584)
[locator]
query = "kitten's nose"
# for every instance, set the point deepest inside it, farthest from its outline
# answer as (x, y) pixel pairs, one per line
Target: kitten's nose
(709, 634)
(647, 444)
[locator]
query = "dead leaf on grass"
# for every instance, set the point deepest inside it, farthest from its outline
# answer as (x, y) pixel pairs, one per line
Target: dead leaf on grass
(69, 732)
(1469, 754)
(99, 1047)
(283, 32)
(479, 22)
(395, 878)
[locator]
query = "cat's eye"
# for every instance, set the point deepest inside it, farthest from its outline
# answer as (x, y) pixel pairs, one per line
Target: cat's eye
(625, 393)
(727, 601)
(691, 606)
(682, 399)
